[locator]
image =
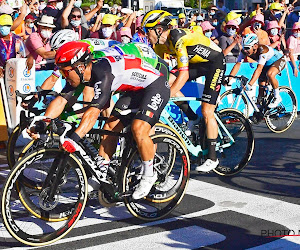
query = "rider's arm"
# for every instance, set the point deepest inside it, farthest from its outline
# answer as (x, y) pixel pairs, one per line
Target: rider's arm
(88, 94)
(56, 107)
(179, 82)
(49, 82)
(237, 66)
(256, 74)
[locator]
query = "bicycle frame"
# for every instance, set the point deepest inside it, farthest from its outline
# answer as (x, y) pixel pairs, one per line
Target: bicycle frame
(194, 150)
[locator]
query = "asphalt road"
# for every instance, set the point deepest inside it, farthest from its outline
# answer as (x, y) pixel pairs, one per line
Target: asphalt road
(239, 212)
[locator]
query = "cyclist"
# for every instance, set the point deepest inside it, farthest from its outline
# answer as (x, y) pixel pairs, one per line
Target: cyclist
(270, 63)
(196, 56)
(147, 89)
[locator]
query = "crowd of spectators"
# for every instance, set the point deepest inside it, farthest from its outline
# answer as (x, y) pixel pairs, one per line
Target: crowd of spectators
(25, 31)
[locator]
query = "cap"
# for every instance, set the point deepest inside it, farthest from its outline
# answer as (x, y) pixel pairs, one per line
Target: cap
(6, 20)
(296, 26)
(125, 31)
(47, 21)
(275, 6)
(258, 18)
(29, 17)
(181, 15)
(272, 24)
(109, 19)
(232, 15)
(173, 22)
(199, 18)
(207, 26)
(232, 23)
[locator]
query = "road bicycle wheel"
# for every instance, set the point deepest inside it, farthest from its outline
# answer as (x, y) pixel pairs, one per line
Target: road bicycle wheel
(28, 215)
(171, 184)
(235, 100)
(233, 156)
(282, 117)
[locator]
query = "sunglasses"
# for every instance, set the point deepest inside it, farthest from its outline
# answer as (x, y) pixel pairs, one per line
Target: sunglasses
(75, 16)
(65, 72)
(246, 48)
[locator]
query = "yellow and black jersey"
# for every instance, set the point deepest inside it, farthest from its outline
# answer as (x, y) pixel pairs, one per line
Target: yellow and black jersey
(189, 46)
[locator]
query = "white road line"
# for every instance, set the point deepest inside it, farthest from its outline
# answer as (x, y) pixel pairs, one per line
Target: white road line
(284, 213)
(3, 165)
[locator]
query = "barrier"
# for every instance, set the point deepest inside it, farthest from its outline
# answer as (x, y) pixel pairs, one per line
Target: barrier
(3, 129)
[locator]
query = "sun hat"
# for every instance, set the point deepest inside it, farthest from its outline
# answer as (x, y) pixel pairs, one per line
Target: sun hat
(125, 31)
(272, 24)
(276, 6)
(232, 23)
(296, 26)
(258, 18)
(6, 20)
(181, 15)
(206, 26)
(232, 15)
(47, 21)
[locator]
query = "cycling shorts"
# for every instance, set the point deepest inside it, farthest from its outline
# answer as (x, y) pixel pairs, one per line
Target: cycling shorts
(279, 64)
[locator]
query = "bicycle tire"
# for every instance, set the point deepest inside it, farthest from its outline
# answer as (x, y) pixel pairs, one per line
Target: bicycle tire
(233, 99)
(24, 214)
(281, 118)
(234, 158)
(171, 185)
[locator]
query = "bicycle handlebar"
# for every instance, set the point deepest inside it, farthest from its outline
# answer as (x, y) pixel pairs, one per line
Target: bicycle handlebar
(243, 79)
(40, 92)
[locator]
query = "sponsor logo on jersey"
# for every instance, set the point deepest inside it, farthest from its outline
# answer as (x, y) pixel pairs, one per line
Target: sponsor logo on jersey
(97, 90)
(138, 76)
(201, 51)
(178, 45)
(156, 102)
(184, 59)
(217, 79)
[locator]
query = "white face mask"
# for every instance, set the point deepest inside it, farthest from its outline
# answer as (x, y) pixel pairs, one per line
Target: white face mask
(36, 12)
(125, 39)
(77, 3)
(75, 23)
(208, 34)
(296, 34)
(31, 25)
(274, 31)
(231, 32)
(59, 5)
(46, 33)
(107, 31)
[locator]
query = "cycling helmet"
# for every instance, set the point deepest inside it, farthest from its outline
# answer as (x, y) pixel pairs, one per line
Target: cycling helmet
(249, 40)
(156, 17)
(61, 37)
(73, 52)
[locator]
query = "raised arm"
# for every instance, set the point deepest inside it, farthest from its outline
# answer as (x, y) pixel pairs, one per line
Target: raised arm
(66, 13)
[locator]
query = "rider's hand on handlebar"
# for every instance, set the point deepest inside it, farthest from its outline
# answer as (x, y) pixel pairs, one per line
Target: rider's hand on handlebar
(247, 87)
(226, 81)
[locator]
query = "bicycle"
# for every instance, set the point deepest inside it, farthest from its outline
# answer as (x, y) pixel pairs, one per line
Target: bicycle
(235, 142)
(45, 212)
(277, 120)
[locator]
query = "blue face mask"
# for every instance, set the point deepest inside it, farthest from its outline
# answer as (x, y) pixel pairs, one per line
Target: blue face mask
(215, 24)
(77, 3)
(208, 34)
(212, 13)
(4, 30)
(296, 34)
(231, 32)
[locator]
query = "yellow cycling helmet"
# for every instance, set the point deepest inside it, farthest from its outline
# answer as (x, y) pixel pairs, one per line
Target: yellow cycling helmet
(156, 17)
(275, 6)
(181, 15)
(232, 15)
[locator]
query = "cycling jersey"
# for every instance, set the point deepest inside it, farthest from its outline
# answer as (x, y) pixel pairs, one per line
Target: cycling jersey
(189, 46)
(265, 55)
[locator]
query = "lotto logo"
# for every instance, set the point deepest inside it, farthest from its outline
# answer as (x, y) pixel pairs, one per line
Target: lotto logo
(11, 72)
(26, 73)
(26, 88)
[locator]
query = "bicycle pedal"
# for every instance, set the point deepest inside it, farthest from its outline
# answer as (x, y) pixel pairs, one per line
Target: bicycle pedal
(93, 195)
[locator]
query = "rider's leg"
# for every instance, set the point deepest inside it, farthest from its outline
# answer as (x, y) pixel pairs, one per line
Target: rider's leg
(271, 74)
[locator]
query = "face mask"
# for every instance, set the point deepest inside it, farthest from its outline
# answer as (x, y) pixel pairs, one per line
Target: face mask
(59, 5)
(256, 26)
(296, 34)
(77, 4)
(4, 30)
(75, 23)
(208, 34)
(212, 13)
(215, 24)
(238, 20)
(125, 39)
(274, 32)
(31, 25)
(231, 32)
(46, 33)
(106, 31)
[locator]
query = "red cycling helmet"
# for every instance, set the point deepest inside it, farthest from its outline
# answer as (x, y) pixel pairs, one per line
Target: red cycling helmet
(72, 52)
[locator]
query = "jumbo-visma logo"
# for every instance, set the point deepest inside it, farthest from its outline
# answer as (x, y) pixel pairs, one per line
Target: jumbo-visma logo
(26, 88)
(27, 72)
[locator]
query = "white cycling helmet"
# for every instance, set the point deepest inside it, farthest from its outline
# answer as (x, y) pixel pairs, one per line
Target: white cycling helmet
(249, 40)
(61, 37)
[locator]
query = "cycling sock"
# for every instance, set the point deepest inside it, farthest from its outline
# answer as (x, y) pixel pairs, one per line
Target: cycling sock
(276, 93)
(148, 168)
(102, 166)
(212, 154)
(184, 106)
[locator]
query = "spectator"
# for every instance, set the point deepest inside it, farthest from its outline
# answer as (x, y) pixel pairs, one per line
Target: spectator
(107, 29)
(11, 45)
(293, 44)
(38, 45)
(230, 42)
(174, 24)
(222, 8)
(54, 9)
(207, 29)
(273, 31)
(199, 20)
(125, 33)
(71, 19)
(292, 18)
(140, 36)
(233, 16)
(181, 20)
(256, 27)
(28, 27)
